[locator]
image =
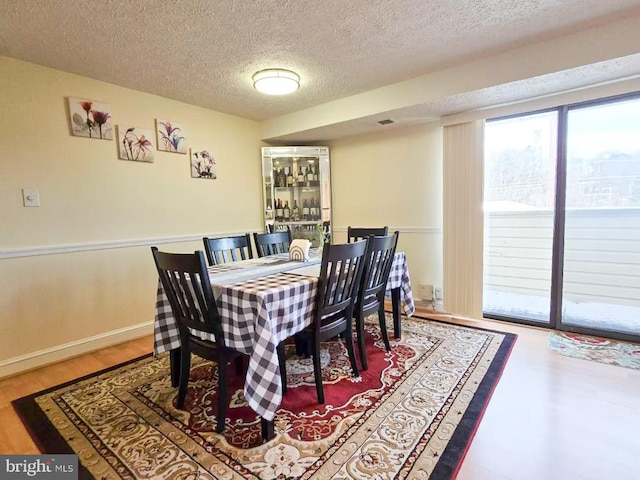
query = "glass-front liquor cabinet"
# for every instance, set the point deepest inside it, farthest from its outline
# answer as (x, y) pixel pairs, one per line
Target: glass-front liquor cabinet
(297, 190)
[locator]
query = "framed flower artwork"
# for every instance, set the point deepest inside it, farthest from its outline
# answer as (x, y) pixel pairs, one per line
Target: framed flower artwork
(90, 119)
(171, 136)
(203, 165)
(135, 144)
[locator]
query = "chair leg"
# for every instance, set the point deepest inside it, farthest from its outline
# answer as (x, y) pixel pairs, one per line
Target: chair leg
(239, 365)
(361, 347)
(303, 346)
(317, 370)
(174, 361)
(282, 362)
(348, 338)
(383, 327)
(185, 367)
(395, 305)
(223, 394)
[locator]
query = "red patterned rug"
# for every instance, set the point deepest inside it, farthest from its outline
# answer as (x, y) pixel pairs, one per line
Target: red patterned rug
(412, 414)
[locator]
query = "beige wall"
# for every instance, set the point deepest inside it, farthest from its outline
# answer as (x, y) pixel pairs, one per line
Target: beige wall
(394, 178)
(88, 196)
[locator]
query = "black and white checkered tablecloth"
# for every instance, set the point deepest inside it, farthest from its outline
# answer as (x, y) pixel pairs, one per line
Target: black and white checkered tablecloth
(257, 315)
(399, 278)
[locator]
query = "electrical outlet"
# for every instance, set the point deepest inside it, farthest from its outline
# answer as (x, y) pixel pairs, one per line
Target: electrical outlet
(31, 197)
(438, 293)
(425, 291)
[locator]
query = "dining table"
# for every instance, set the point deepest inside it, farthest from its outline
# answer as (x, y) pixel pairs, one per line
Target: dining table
(262, 302)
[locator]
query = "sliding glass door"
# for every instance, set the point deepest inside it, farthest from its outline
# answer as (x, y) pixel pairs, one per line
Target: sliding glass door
(601, 285)
(562, 218)
(519, 186)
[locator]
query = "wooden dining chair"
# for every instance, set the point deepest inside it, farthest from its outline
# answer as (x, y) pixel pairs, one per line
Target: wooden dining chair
(186, 283)
(355, 234)
(272, 243)
(340, 276)
(227, 249)
(377, 266)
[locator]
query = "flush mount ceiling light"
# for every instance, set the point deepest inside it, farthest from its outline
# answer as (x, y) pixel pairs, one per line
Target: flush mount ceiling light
(276, 81)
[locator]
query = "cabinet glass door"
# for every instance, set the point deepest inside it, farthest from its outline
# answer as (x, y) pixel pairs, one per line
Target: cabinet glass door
(299, 195)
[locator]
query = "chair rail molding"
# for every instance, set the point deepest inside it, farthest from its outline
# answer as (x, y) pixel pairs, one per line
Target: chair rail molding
(423, 230)
(83, 247)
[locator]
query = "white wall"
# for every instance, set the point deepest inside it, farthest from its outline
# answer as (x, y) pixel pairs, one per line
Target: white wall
(91, 200)
(393, 178)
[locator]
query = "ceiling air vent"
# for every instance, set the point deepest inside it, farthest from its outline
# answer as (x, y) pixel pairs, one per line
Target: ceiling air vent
(386, 122)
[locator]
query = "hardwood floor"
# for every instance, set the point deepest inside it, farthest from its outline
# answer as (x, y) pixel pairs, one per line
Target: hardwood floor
(555, 417)
(550, 417)
(13, 436)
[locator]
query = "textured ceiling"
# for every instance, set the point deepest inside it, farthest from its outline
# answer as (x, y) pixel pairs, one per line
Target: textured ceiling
(204, 52)
(567, 80)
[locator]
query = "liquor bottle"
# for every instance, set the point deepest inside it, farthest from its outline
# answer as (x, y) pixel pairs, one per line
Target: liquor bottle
(305, 210)
(286, 211)
(295, 212)
(289, 177)
(279, 211)
(309, 175)
(315, 176)
(269, 212)
(301, 176)
(312, 210)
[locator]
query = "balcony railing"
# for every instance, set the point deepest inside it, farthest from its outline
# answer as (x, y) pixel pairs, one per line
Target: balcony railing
(601, 266)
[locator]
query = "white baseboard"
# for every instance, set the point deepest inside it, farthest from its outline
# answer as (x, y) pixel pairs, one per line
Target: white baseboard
(47, 356)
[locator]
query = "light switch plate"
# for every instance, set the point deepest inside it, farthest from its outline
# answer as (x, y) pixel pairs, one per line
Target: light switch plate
(31, 197)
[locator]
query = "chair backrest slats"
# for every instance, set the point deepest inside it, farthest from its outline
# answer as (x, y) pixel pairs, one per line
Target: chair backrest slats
(355, 234)
(201, 305)
(340, 276)
(186, 283)
(378, 261)
(226, 249)
(272, 243)
(185, 300)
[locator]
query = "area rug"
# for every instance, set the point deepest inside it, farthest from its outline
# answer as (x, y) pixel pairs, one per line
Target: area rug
(412, 414)
(601, 350)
